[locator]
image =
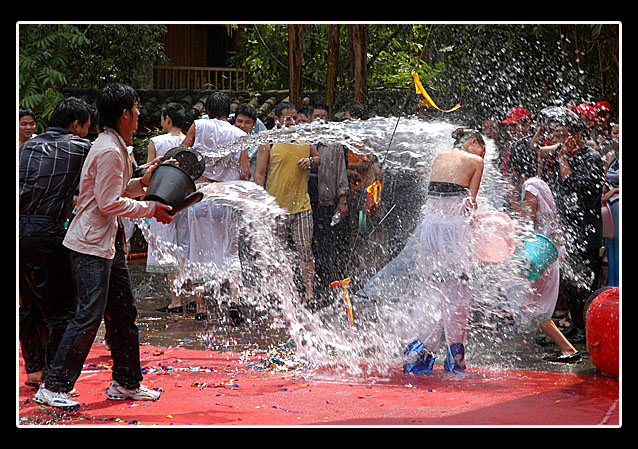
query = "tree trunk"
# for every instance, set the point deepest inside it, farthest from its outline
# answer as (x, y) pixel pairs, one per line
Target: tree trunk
(333, 60)
(360, 63)
(295, 63)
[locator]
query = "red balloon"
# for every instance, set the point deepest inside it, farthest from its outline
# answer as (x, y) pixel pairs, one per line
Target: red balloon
(602, 331)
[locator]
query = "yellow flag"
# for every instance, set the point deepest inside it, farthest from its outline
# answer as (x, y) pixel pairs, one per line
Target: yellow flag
(374, 189)
(421, 90)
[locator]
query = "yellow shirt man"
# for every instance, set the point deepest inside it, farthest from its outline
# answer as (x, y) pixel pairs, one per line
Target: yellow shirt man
(286, 180)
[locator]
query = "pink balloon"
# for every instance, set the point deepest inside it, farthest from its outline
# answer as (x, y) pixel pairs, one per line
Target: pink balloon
(493, 237)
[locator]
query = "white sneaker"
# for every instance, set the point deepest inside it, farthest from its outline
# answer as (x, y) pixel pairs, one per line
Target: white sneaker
(61, 401)
(118, 393)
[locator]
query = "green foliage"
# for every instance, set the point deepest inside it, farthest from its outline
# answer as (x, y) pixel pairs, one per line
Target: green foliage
(55, 56)
(43, 64)
(394, 51)
(487, 68)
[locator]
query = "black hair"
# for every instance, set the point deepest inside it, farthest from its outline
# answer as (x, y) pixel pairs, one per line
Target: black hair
(307, 110)
(22, 111)
(461, 135)
(575, 125)
(247, 110)
(111, 101)
(283, 105)
(69, 110)
(218, 105)
(176, 112)
(523, 158)
(321, 106)
(356, 110)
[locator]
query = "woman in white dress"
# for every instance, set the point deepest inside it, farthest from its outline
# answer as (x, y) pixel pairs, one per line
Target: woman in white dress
(433, 272)
(175, 233)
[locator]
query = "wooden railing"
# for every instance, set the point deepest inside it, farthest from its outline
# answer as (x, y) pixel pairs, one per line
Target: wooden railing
(213, 78)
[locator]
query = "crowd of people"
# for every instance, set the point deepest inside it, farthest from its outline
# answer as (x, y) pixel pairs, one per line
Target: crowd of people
(565, 169)
(74, 196)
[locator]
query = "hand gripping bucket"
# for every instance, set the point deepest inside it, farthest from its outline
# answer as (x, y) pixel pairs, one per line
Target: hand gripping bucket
(540, 252)
(188, 159)
(173, 186)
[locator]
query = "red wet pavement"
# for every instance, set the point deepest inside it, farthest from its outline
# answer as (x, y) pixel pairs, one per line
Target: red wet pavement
(207, 388)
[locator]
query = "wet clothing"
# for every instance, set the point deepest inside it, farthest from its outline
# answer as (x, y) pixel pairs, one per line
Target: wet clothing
(175, 232)
(539, 301)
(106, 192)
(578, 201)
(104, 291)
(432, 274)
(50, 165)
(445, 248)
(210, 133)
(103, 283)
(612, 245)
(213, 227)
(214, 234)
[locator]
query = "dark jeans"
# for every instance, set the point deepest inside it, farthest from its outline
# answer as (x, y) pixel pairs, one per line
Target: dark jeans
(578, 281)
(324, 248)
(104, 290)
(47, 290)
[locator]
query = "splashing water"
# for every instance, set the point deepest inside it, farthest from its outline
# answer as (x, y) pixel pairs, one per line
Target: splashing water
(382, 328)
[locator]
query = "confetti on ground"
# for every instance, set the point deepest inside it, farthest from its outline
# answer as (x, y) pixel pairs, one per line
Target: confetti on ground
(258, 387)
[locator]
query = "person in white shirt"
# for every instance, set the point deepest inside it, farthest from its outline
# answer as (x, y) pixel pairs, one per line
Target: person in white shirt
(173, 118)
(212, 227)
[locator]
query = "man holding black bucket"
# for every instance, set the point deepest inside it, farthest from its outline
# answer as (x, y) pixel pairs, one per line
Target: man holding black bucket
(95, 238)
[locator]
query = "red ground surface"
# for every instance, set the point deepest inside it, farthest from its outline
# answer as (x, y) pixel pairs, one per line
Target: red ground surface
(206, 388)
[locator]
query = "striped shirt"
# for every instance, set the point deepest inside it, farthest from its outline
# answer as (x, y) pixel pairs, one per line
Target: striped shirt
(50, 165)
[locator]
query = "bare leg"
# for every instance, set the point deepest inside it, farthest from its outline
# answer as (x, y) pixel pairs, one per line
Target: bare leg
(555, 335)
(234, 290)
(308, 274)
(176, 300)
(200, 306)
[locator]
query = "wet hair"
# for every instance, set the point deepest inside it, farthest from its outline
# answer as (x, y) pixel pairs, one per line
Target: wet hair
(553, 115)
(575, 124)
(282, 106)
(23, 111)
(176, 112)
(111, 101)
(247, 110)
(218, 105)
(356, 110)
(322, 106)
(307, 110)
(524, 158)
(461, 135)
(69, 110)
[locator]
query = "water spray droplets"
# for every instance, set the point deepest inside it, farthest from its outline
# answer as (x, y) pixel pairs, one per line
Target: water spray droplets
(374, 343)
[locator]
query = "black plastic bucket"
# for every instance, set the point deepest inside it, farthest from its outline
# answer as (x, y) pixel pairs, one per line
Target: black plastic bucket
(173, 186)
(188, 159)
